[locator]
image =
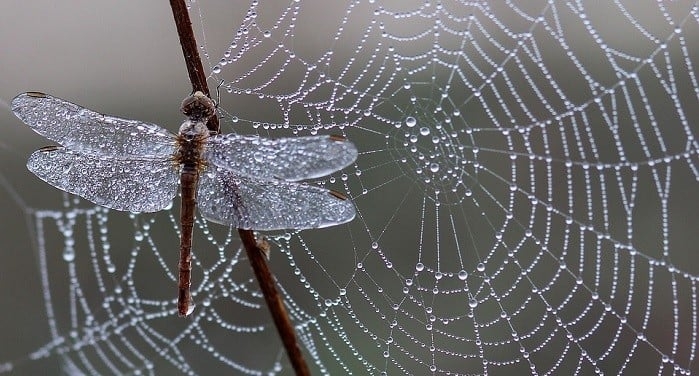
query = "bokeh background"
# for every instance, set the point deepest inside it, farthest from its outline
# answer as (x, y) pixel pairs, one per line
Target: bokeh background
(118, 58)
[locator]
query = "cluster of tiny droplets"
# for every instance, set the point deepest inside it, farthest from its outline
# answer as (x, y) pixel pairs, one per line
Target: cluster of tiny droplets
(515, 192)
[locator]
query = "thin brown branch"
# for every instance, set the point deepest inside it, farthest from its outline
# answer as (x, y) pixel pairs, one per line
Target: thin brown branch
(258, 260)
(191, 55)
(256, 255)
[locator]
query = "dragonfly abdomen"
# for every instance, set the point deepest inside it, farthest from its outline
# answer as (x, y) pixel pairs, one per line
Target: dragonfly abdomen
(189, 156)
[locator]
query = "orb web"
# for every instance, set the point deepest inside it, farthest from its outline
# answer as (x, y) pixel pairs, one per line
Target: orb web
(525, 170)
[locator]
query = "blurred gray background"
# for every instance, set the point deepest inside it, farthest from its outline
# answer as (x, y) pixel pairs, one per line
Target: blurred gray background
(111, 56)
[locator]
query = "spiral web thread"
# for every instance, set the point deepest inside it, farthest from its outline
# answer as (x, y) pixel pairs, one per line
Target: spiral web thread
(526, 169)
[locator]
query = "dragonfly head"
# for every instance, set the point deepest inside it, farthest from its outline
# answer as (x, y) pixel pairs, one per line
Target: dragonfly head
(198, 107)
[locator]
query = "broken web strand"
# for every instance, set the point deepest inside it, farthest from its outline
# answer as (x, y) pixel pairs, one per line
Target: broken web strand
(539, 262)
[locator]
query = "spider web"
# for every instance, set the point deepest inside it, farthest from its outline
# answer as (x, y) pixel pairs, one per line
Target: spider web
(526, 199)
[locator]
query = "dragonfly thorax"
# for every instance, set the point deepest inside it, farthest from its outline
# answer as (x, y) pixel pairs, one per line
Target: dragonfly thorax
(191, 130)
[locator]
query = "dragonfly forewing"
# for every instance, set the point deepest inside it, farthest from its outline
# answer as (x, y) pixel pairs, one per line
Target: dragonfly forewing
(90, 132)
(291, 159)
(135, 184)
(247, 203)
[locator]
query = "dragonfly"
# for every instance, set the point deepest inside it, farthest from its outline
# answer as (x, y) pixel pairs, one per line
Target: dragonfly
(244, 181)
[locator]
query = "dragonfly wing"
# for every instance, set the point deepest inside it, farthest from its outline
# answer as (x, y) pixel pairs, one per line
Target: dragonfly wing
(89, 132)
(292, 159)
(246, 203)
(135, 185)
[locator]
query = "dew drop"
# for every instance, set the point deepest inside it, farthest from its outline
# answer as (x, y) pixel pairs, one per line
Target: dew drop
(190, 309)
(419, 266)
(434, 167)
(69, 254)
(410, 121)
(424, 131)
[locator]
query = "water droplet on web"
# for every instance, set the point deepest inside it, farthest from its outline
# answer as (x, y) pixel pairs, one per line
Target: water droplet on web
(69, 254)
(217, 69)
(434, 167)
(267, 34)
(463, 275)
(424, 131)
(419, 266)
(473, 303)
(410, 121)
(480, 267)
